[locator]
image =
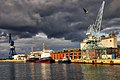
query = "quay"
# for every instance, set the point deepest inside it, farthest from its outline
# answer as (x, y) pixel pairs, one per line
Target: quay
(12, 60)
(93, 61)
(96, 61)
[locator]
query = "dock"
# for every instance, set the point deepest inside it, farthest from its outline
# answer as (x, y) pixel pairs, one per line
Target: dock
(93, 61)
(96, 61)
(12, 60)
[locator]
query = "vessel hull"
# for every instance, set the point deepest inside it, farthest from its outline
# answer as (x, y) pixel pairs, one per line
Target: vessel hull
(45, 60)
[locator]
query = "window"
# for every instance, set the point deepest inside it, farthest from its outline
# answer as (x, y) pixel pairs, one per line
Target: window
(110, 40)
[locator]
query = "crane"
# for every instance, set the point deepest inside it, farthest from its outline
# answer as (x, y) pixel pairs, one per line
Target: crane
(12, 51)
(93, 30)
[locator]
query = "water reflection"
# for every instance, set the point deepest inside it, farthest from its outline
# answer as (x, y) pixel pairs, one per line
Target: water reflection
(22, 71)
(100, 72)
(32, 68)
(7, 71)
(31, 71)
(45, 71)
(65, 71)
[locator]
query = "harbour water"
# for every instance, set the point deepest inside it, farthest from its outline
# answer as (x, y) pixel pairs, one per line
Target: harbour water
(73, 71)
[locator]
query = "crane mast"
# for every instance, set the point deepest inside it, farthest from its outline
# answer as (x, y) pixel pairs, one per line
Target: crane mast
(99, 18)
(95, 28)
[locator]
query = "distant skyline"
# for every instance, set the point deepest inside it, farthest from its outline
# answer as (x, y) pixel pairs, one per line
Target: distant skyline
(58, 23)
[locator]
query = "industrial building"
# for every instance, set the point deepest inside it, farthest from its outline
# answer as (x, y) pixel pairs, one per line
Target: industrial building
(109, 41)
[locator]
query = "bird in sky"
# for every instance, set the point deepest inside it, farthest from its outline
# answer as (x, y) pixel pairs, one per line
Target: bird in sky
(85, 10)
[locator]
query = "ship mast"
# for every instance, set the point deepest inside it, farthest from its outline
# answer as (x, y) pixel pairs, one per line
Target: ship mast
(43, 45)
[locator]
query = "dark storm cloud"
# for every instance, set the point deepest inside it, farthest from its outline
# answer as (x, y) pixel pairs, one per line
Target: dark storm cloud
(113, 9)
(55, 18)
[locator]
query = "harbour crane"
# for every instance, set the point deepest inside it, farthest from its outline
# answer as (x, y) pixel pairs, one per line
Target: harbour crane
(92, 41)
(12, 51)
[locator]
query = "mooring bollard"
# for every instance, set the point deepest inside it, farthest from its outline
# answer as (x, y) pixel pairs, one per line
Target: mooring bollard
(111, 62)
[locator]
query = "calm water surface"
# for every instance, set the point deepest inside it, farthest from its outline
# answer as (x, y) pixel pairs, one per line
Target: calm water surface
(74, 71)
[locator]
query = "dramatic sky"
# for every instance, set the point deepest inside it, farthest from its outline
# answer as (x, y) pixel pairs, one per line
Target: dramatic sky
(58, 23)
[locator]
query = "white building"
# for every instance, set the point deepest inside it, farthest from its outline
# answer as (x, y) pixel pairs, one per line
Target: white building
(108, 42)
(20, 57)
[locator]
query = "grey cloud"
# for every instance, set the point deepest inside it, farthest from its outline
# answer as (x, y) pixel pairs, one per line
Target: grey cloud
(55, 18)
(113, 9)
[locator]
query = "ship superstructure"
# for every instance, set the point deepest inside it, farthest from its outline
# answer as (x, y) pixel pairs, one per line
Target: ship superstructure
(40, 56)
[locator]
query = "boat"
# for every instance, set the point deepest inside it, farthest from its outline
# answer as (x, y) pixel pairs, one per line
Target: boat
(45, 57)
(32, 59)
(64, 60)
(33, 56)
